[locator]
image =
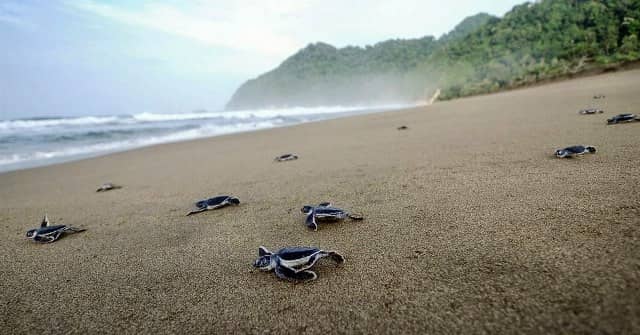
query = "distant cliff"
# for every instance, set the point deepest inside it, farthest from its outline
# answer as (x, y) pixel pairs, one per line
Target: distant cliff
(532, 42)
(320, 74)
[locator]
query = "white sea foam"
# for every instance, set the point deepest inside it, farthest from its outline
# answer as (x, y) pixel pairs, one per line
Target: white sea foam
(155, 117)
(57, 122)
(259, 113)
(29, 142)
(98, 148)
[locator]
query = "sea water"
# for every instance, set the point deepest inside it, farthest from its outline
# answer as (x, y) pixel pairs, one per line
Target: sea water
(41, 141)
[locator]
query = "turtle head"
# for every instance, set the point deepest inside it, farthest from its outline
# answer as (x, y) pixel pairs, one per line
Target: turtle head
(306, 209)
(263, 262)
(233, 200)
(31, 233)
(561, 153)
(590, 149)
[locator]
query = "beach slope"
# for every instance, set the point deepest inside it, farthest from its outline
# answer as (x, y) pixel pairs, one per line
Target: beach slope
(471, 225)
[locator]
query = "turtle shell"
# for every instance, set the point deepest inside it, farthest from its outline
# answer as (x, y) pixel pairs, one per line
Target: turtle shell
(293, 253)
(622, 118)
(329, 213)
(576, 149)
(49, 229)
(211, 201)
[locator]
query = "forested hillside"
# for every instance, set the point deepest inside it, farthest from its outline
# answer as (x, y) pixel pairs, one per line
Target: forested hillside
(532, 42)
(542, 40)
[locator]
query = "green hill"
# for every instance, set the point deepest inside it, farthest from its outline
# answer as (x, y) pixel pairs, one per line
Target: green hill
(532, 42)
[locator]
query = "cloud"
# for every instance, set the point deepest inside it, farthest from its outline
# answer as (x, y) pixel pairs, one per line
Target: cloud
(248, 37)
(15, 14)
(219, 26)
(10, 19)
(275, 29)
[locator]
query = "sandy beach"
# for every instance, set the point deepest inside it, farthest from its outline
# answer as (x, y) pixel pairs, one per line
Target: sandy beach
(471, 225)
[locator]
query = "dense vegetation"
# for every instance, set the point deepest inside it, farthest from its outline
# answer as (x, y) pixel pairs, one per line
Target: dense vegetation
(533, 42)
(542, 40)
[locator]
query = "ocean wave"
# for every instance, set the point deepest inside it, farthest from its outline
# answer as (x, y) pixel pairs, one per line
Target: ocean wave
(57, 122)
(101, 148)
(242, 114)
(305, 111)
(147, 117)
(33, 142)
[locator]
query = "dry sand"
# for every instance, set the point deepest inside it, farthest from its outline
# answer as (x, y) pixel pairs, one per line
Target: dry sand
(471, 226)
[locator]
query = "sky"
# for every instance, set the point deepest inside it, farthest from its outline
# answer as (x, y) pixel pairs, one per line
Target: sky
(92, 57)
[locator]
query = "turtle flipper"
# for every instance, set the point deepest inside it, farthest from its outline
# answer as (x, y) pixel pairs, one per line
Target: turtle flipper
(311, 221)
(336, 257)
(45, 221)
(49, 238)
(53, 237)
(233, 201)
(324, 204)
(288, 273)
(72, 230)
(312, 261)
(356, 217)
(262, 251)
(197, 211)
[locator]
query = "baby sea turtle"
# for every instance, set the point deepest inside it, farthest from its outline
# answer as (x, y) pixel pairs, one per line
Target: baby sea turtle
(622, 118)
(108, 187)
(214, 203)
(590, 111)
(575, 150)
(48, 233)
(293, 263)
(286, 157)
(325, 213)
(599, 96)
(403, 128)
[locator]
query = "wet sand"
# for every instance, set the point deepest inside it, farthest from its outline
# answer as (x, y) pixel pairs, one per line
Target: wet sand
(472, 226)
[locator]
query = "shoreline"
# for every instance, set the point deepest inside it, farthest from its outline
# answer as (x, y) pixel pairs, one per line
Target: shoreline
(471, 225)
(588, 73)
(349, 112)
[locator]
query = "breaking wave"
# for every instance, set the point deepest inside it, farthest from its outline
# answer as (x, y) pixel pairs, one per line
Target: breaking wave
(41, 141)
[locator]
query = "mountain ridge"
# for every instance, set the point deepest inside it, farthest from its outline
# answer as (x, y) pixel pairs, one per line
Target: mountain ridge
(534, 41)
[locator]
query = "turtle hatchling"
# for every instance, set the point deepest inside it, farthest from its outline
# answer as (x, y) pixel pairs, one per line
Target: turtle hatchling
(622, 118)
(214, 203)
(48, 233)
(575, 150)
(293, 263)
(590, 111)
(286, 157)
(108, 187)
(325, 213)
